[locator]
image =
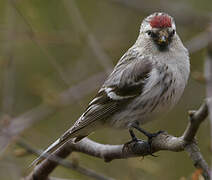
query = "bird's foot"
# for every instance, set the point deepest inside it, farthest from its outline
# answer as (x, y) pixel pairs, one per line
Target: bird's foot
(152, 135)
(149, 135)
(133, 137)
(137, 142)
(132, 134)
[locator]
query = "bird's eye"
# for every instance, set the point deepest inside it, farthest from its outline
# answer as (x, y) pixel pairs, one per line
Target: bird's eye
(152, 34)
(149, 33)
(173, 32)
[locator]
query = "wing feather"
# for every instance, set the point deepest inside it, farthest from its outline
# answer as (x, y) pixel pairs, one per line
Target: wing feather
(112, 97)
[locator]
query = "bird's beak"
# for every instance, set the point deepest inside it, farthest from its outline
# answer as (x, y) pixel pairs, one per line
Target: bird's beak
(163, 38)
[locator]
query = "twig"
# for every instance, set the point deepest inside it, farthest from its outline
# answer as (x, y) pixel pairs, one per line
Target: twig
(163, 141)
(64, 163)
(198, 160)
(196, 118)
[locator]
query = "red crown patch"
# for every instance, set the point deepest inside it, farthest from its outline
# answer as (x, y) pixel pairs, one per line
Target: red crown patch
(161, 21)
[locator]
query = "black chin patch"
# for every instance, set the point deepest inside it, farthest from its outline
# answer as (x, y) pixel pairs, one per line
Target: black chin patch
(162, 47)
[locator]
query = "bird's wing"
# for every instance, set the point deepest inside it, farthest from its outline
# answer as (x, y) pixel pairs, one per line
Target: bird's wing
(115, 94)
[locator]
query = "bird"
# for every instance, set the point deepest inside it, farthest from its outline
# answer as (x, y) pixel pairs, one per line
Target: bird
(147, 81)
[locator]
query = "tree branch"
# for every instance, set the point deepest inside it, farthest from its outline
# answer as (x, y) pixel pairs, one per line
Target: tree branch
(163, 141)
(67, 164)
(198, 160)
(196, 117)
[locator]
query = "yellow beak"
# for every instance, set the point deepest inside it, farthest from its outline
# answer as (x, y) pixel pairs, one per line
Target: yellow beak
(163, 37)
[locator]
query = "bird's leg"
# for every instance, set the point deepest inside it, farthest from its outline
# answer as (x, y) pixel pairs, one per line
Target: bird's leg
(132, 134)
(133, 137)
(147, 134)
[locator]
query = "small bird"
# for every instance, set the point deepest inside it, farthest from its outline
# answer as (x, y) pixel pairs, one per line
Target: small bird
(148, 80)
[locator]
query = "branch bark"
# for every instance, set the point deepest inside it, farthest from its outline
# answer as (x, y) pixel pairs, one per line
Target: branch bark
(163, 141)
(65, 163)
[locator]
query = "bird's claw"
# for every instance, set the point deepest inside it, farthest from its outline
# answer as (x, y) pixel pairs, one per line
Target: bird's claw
(134, 140)
(150, 136)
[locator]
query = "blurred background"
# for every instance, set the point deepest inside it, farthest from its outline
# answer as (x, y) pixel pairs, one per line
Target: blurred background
(54, 55)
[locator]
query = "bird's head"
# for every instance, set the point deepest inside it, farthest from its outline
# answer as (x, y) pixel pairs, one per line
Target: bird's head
(159, 28)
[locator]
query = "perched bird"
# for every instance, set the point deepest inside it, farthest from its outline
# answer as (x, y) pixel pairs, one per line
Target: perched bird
(148, 79)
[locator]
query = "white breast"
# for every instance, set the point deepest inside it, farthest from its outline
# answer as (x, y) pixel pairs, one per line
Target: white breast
(160, 94)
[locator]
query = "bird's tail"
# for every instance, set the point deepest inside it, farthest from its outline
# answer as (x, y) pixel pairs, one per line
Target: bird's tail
(58, 143)
(47, 152)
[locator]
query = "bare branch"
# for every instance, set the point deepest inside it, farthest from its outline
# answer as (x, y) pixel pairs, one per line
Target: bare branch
(163, 141)
(196, 117)
(59, 161)
(198, 160)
